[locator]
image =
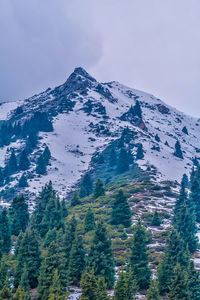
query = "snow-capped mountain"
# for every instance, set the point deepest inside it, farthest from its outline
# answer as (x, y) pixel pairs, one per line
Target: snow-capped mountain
(87, 115)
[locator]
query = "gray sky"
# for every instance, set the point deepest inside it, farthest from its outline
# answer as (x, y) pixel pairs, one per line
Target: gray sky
(151, 45)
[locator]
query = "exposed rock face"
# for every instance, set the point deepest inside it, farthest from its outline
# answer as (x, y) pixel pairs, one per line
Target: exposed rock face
(163, 109)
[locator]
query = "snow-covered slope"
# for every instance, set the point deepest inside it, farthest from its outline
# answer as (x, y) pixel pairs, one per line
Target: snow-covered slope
(86, 116)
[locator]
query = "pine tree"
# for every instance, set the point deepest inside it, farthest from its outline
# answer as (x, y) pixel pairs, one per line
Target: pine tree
(23, 181)
(157, 138)
(100, 257)
(126, 286)
(1, 177)
(3, 271)
(54, 258)
(64, 209)
(24, 162)
(5, 233)
(195, 195)
(19, 215)
(178, 152)
(184, 130)
(69, 237)
(24, 282)
(139, 257)
(99, 189)
(112, 157)
(5, 293)
(75, 199)
(193, 282)
(175, 252)
(89, 286)
(137, 109)
(86, 186)
(101, 289)
(12, 163)
(41, 166)
(21, 294)
(121, 213)
(130, 157)
(153, 292)
(76, 261)
(46, 155)
(156, 221)
(89, 221)
(56, 291)
(123, 161)
(179, 286)
(185, 180)
(50, 237)
(184, 220)
(140, 152)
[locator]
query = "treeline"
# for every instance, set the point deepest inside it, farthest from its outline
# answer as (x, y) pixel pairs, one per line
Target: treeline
(49, 253)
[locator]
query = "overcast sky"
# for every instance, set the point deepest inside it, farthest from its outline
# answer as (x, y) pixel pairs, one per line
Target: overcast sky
(151, 45)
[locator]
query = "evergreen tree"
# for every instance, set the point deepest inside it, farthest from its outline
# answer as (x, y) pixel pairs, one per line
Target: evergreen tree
(41, 166)
(184, 130)
(69, 237)
(76, 261)
(137, 109)
(140, 152)
(75, 199)
(123, 161)
(24, 282)
(126, 286)
(21, 294)
(1, 177)
(3, 271)
(89, 221)
(12, 163)
(193, 282)
(130, 157)
(64, 209)
(100, 257)
(46, 155)
(86, 186)
(54, 259)
(19, 215)
(184, 220)
(23, 181)
(5, 293)
(157, 138)
(179, 286)
(5, 233)
(185, 180)
(121, 213)
(178, 152)
(31, 142)
(89, 286)
(24, 162)
(156, 221)
(112, 157)
(195, 195)
(139, 257)
(99, 189)
(50, 237)
(153, 292)
(101, 289)
(56, 291)
(175, 252)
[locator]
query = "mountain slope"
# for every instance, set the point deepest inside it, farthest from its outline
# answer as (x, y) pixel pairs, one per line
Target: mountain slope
(86, 117)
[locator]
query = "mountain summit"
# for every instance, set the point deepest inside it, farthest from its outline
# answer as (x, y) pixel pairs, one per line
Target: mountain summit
(81, 118)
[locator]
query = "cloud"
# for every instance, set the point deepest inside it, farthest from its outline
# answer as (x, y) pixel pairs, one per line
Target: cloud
(149, 45)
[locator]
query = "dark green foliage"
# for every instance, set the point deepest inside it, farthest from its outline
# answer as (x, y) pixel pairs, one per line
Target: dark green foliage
(28, 260)
(101, 289)
(184, 130)
(31, 142)
(140, 152)
(121, 213)
(69, 237)
(89, 286)
(64, 209)
(3, 271)
(99, 189)
(76, 261)
(179, 285)
(23, 181)
(156, 221)
(157, 138)
(89, 221)
(185, 180)
(112, 157)
(137, 109)
(5, 293)
(100, 257)
(41, 165)
(86, 187)
(56, 291)
(19, 215)
(12, 163)
(21, 294)
(24, 282)
(130, 157)
(46, 155)
(125, 288)
(175, 252)
(123, 162)
(53, 259)
(193, 282)
(153, 292)
(139, 257)
(1, 177)
(195, 194)
(75, 199)
(178, 152)
(24, 162)
(184, 220)
(5, 232)
(50, 237)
